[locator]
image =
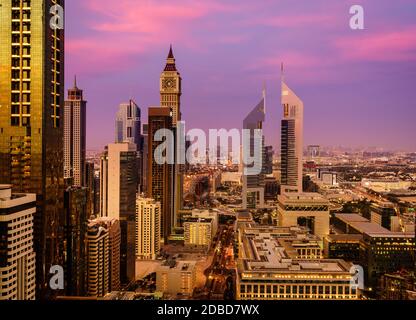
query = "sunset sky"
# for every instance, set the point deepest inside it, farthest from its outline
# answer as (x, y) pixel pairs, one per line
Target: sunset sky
(358, 86)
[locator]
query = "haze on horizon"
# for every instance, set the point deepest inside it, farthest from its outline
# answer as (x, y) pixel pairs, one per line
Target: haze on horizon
(357, 86)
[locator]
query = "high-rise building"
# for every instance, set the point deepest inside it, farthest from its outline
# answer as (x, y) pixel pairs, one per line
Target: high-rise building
(128, 124)
(76, 221)
(160, 176)
(170, 96)
(112, 227)
(75, 127)
(17, 257)
(98, 251)
(128, 129)
(91, 184)
(145, 158)
(147, 229)
(253, 183)
(291, 141)
(118, 186)
(171, 88)
(118, 180)
(31, 135)
(176, 277)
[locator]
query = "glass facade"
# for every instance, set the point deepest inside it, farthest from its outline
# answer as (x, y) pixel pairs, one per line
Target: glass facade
(31, 99)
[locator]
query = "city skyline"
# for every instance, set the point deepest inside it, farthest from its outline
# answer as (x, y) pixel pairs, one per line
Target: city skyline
(225, 52)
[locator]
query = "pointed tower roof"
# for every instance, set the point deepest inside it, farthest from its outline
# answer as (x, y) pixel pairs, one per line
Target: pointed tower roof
(170, 56)
(170, 62)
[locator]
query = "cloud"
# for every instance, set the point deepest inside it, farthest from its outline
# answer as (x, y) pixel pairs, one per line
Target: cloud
(391, 45)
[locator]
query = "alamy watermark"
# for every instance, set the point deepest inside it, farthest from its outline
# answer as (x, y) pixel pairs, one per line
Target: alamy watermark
(250, 155)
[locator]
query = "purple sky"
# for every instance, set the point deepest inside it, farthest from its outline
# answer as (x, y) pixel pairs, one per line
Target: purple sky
(358, 87)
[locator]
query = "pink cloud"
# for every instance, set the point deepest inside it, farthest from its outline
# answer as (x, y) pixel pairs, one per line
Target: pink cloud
(386, 46)
(298, 20)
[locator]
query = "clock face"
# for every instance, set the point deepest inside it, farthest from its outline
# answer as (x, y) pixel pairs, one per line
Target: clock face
(169, 83)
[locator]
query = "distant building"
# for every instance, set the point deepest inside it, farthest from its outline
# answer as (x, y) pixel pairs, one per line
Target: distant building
(148, 216)
(128, 124)
(176, 277)
(253, 183)
(17, 256)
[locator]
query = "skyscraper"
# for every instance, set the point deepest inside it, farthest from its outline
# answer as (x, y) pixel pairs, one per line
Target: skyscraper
(171, 88)
(147, 228)
(170, 96)
(75, 127)
(253, 184)
(17, 257)
(98, 251)
(76, 221)
(118, 198)
(31, 128)
(128, 123)
(160, 176)
(291, 141)
(128, 129)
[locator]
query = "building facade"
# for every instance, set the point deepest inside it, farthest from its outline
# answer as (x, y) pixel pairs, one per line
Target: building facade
(253, 182)
(98, 252)
(17, 256)
(76, 222)
(286, 264)
(148, 216)
(31, 135)
(291, 141)
(75, 133)
(160, 178)
(118, 186)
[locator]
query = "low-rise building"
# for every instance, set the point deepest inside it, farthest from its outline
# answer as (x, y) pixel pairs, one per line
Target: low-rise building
(286, 264)
(176, 277)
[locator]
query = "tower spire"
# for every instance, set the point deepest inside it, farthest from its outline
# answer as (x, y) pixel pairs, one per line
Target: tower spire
(170, 56)
(75, 81)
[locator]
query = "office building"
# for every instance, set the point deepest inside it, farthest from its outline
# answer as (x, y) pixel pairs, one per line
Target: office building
(129, 129)
(118, 187)
(272, 266)
(75, 133)
(253, 178)
(381, 250)
(93, 190)
(128, 124)
(148, 217)
(31, 135)
(305, 209)
(17, 256)
(76, 222)
(160, 179)
(176, 277)
(291, 141)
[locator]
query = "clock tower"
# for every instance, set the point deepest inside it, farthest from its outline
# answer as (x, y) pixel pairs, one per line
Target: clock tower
(171, 88)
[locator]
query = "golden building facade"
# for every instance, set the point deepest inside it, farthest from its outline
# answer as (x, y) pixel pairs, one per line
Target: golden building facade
(31, 128)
